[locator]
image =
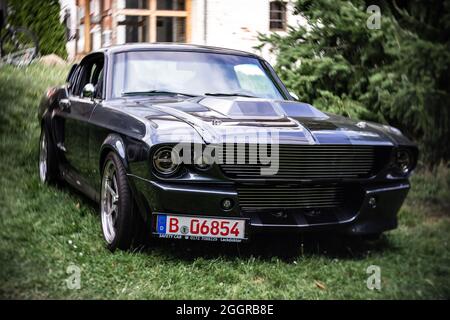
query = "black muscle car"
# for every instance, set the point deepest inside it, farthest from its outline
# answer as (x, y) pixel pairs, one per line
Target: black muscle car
(191, 142)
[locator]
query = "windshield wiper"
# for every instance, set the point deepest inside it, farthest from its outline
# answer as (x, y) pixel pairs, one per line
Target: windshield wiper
(154, 93)
(237, 94)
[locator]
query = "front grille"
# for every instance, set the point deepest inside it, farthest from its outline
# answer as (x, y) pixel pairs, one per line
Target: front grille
(290, 197)
(310, 162)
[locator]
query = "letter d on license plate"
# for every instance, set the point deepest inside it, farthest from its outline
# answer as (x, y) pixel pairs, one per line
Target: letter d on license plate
(192, 227)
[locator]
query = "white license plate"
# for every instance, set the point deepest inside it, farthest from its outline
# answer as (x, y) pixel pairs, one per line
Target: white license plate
(191, 227)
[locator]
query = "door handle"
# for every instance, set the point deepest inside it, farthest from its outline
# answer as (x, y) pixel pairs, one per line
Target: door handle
(64, 104)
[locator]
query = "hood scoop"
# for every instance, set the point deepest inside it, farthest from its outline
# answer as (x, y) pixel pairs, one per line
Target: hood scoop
(243, 117)
(244, 108)
(259, 109)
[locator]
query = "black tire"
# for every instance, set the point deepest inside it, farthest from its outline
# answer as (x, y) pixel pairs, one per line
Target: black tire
(125, 220)
(47, 158)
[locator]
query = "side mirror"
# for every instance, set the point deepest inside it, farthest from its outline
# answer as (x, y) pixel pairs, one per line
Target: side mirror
(293, 95)
(88, 91)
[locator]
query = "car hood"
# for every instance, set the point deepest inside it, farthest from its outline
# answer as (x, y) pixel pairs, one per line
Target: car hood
(217, 120)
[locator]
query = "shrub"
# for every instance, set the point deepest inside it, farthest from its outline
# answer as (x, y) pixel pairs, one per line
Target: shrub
(42, 18)
(398, 74)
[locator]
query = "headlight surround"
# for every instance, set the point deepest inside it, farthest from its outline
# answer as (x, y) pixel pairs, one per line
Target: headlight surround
(404, 161)
(166, 161)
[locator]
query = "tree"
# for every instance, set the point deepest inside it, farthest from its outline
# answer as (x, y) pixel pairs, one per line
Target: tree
(397, 74)
(41, 17)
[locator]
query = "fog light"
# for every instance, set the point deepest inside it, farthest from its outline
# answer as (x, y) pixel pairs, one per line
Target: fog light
(372, 202)
(227, 204)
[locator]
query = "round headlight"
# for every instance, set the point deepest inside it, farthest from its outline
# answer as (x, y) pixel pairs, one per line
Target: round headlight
(165, 161)
(404, 161)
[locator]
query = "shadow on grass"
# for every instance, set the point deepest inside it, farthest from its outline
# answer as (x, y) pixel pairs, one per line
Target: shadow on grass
(286, 247)
(265, 246)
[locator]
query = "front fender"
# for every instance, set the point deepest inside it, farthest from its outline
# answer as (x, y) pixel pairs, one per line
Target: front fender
(127, 153)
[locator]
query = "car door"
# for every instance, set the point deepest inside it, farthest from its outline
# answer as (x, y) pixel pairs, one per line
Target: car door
(76, 112)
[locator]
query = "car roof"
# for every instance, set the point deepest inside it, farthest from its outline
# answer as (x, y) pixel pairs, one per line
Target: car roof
(172, 47)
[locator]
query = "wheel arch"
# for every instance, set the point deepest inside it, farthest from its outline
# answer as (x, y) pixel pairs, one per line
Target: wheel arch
(113, 143)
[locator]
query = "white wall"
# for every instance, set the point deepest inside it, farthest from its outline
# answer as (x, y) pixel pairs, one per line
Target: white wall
(70, 4)
(235, 23)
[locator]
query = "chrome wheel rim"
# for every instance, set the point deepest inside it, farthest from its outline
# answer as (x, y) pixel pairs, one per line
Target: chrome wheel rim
(43, 158)
(109, 202)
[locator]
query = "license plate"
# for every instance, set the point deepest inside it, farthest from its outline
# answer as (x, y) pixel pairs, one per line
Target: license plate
(200, 228)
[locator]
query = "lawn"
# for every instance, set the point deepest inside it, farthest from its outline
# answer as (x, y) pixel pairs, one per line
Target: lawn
(44, 230)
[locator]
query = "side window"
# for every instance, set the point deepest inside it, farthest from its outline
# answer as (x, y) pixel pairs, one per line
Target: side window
(99, 84)
(91, 71)
(84, 77)
(73, 68)
(72, 86)
(97, 77)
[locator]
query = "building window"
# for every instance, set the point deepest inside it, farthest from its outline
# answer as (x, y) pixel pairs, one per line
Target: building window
(153, 21)
(171, 29)
(171, 5)
(123, 21)
(278, 20)
(135, 28)
(136, 4)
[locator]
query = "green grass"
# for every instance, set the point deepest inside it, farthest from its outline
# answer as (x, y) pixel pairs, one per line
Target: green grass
(44, 229)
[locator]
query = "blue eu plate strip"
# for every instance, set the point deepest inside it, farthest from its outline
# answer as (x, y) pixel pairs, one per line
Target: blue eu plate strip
(161, 224)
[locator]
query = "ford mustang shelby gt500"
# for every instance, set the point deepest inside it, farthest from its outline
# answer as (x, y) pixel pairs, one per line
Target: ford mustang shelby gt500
(190, 142)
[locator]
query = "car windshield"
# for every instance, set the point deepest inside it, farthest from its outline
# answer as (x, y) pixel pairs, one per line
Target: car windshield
(190, 73)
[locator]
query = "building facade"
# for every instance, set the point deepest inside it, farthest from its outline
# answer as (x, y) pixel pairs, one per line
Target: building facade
(225, 23)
